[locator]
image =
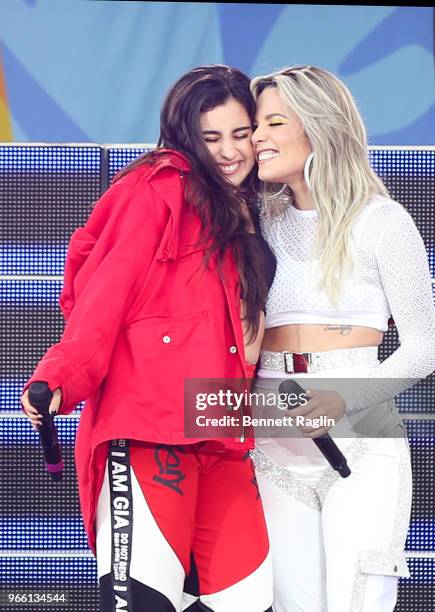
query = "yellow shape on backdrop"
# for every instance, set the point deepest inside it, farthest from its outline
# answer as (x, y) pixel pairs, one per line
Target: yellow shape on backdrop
(5, 115)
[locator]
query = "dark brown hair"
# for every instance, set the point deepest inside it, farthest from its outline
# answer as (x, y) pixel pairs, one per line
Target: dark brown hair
(217, 202)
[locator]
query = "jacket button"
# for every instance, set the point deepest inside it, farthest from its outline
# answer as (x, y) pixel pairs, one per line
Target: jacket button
(166, 339)
(233, 349)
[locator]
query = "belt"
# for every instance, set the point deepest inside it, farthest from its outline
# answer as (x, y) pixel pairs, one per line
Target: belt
(294, 363)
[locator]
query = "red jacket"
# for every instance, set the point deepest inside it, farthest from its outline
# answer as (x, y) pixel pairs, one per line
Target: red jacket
(143, 314)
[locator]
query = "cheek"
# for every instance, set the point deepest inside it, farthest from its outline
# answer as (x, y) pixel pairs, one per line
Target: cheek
(269, 174)
(212, 148)
(295, 152)
(301, 147)
(248, 154)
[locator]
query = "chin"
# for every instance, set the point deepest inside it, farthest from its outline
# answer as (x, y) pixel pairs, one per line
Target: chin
(268, 176)
(236, 180)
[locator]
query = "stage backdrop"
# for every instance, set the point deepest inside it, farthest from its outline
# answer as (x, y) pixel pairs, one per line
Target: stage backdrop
(45, 193)
(97, 71)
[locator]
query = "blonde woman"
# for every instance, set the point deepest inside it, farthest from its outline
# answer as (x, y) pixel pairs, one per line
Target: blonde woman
(348, 258)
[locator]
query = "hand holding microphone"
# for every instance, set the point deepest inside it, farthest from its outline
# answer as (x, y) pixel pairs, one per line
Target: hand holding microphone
(38, 403)
(324, 443)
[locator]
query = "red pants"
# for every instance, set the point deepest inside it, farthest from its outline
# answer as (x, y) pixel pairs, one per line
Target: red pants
(161, 507)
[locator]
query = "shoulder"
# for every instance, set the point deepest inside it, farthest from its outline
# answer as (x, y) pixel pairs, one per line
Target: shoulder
(167, 162)
(385, 228)
(381, 216)
(146, 187)
(381, 206)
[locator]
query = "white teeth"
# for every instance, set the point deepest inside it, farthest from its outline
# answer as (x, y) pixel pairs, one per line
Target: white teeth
(267, 155)
(230, 168)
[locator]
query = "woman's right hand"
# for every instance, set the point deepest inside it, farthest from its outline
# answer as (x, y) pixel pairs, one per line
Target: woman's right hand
(34, 416)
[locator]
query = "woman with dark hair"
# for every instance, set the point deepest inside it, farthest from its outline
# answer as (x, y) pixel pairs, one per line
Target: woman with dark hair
(162, 285)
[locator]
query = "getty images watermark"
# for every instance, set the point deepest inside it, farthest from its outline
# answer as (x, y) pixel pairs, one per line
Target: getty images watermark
(232, 408)
(237, 402)
(223, 408)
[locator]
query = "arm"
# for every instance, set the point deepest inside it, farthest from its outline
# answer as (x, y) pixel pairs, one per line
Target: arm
(127, 236)
(403, 270)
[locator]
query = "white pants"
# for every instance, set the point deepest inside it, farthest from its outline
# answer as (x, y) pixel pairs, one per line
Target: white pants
(337, 544)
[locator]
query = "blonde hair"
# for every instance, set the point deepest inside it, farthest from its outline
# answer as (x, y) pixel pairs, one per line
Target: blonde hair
(341, 179)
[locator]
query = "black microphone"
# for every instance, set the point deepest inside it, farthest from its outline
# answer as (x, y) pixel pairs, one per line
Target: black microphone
(40, 398)
(325, 443)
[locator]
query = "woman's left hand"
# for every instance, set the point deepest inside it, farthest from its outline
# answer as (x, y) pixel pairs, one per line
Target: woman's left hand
(320, 403)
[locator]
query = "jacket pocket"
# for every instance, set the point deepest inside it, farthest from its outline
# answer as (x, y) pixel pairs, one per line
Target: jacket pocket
(157, 341)
(383, 563)
(164, 353)
(156, 327)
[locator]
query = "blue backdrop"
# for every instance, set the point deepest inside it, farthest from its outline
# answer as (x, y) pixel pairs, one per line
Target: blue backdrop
(95, 70)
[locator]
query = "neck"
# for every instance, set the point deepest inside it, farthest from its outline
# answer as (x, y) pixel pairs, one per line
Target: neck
(302, 198)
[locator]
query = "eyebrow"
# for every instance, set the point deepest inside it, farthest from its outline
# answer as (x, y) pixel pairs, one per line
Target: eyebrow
(239, 129)
(270, 115)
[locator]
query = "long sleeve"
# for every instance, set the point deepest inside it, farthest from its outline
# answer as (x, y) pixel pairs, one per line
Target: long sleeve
(121, 237)
(404, 273)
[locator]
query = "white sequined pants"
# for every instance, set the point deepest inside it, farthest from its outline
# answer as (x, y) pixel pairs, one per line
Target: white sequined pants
(337, 543)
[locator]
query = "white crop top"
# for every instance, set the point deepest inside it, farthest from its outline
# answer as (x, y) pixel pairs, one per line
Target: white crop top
(390, 277)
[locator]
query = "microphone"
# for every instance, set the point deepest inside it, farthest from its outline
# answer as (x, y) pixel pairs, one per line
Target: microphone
(325, 443)
(40, 398)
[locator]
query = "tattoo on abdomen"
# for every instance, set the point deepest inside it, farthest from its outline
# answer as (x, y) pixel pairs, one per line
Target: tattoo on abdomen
(343, 329)
(168, 462)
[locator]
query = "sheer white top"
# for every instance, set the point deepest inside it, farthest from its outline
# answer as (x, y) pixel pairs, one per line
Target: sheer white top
(390, 276)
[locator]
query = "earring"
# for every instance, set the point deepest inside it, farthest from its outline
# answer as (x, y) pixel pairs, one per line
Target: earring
(273, 196)
(277, 201)
(307, 167)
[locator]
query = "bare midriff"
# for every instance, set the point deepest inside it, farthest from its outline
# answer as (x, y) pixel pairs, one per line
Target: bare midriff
(253, 345)
(309, 338)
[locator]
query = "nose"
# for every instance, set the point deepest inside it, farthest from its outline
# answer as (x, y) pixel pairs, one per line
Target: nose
(257, 136)
(227, 149)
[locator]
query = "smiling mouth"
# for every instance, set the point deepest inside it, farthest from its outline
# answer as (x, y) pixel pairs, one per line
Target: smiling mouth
(265, 156)
(230, 168)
